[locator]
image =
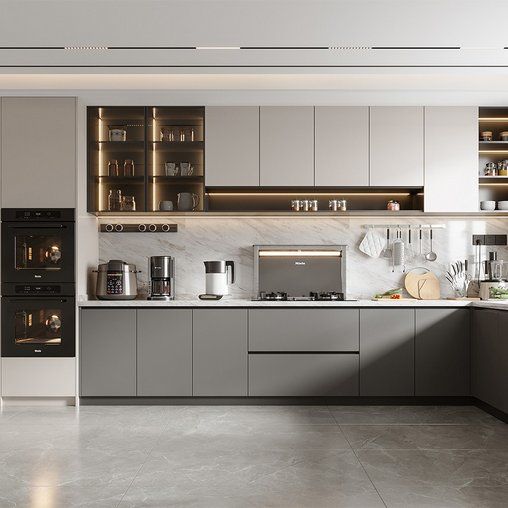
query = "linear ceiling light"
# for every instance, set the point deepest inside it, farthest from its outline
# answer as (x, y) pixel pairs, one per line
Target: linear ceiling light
(85, 48)
(218, 47)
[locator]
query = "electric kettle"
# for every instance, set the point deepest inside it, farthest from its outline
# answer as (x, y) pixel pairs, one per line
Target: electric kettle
(217, 279)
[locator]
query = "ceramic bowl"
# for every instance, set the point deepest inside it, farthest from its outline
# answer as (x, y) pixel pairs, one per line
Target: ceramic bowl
(488, 205)
(502, 205)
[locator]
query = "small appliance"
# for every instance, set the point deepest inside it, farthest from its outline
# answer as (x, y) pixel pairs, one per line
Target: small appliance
(217, 279)
(300, 272)
(162, 278)
(116, 280)
(494, 275)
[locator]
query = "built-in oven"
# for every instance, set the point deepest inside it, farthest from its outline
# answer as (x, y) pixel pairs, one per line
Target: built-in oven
(38, 326)
(37, 246)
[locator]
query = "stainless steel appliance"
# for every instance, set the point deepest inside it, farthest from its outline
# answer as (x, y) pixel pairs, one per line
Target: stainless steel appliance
(38, 302)
(300, 272)
(162, 278)
(116, 280)
(217, 278)
(37, 245)
(493, 275)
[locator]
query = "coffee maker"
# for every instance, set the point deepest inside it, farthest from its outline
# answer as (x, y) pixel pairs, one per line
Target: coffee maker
(162, 278)
(493, 275)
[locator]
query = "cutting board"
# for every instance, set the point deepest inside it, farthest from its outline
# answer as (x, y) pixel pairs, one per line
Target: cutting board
(422, 284)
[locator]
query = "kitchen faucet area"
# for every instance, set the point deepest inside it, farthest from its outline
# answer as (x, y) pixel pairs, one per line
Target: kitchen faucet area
(253, 254)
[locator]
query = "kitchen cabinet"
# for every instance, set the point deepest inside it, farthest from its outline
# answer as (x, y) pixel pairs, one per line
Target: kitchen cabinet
(220, 352)
(489, 353)
(232, 146)
(308, 374)
(451, 159)
(286, 146)
(442, 352)
(387, 352)
(164, 352)
(396, 146)
(108, 353)
(38, 155)
(342, 146)
(314, 330)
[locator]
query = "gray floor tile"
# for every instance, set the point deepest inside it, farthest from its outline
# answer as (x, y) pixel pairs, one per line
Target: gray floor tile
(460, 437)
(431, 478)
(262, 479)
(384, 415)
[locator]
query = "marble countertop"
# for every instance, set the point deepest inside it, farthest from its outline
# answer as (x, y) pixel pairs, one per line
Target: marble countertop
(236, 302)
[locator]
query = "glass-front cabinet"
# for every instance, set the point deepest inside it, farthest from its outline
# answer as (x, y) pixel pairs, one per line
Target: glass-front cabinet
(145, 159)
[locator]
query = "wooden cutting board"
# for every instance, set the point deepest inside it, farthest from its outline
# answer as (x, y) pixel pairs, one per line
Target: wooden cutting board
(422, 284)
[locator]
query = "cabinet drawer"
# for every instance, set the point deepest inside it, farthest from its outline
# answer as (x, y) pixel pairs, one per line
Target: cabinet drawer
(312, 330)
(305, 374)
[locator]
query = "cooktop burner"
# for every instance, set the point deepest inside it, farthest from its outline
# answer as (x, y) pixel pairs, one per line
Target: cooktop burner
(312, 296)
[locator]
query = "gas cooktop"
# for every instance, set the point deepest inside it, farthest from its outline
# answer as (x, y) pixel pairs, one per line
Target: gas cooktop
(281, 296)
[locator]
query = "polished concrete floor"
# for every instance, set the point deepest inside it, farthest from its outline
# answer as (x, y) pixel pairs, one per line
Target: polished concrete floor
(252, 456)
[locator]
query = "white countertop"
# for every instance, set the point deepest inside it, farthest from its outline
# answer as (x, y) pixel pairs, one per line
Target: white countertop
(236, 302)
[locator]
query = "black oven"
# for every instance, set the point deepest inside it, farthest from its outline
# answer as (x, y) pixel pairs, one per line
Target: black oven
(37, 246)
(38, 326)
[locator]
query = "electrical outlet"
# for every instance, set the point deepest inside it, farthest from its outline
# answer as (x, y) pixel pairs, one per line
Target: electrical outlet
(501, 239)
(490, 239)
(478, 239)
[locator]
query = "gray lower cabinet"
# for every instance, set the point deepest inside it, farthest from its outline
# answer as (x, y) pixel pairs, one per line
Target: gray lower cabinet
(164, 352)
(307, 374)
(442, 352)
(220, 352)
(108, 353)
(387, 352)
(310, 330)
(489, 375)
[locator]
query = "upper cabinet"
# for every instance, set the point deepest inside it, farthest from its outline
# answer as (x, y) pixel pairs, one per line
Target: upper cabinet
(396, 146)
(38, 152)
(451, 159)
(287, 146)
(342, 146)
(232, 146)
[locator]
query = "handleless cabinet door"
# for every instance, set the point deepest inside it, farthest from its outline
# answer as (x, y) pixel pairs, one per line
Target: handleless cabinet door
(164, 342)
(442, 352)
(220, 352)
(232, 146)
(451, 159)
(38, 152)
(489, 353)
(108, 353)
(387, 352)
(396, 146)
(342, 146)
(286, 146)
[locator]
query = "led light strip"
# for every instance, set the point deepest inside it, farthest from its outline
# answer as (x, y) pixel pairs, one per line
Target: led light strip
(300, 253)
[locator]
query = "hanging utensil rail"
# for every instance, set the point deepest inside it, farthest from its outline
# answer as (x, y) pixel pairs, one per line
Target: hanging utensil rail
(405, 226)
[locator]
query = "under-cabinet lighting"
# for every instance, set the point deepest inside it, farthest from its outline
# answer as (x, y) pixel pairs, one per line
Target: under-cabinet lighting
(493, 151)
(310, 193)
(300, 253)
(218, 47)
(494, 184)
(495, 119)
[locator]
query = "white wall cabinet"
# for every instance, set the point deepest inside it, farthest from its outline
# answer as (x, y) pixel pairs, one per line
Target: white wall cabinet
(396, 146)
(342, 146)
(451, 159)
(38, 152)
(232, 146)
(287, 146)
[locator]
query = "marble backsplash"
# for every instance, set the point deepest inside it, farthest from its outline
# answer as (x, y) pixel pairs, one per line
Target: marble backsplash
(200, 239)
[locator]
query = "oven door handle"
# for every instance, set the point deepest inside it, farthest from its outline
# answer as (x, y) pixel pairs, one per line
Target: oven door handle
(36, 298)
(52, 226)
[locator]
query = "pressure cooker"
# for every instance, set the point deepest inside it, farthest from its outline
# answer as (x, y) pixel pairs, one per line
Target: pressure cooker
(116, 280)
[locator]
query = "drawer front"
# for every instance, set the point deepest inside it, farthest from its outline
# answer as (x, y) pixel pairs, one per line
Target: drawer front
(303, 375)
(311, 330)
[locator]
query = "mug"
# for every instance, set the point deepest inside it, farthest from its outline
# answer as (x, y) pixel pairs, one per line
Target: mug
(187, 201)
(186, 169)
(170, 168)
(166, 206)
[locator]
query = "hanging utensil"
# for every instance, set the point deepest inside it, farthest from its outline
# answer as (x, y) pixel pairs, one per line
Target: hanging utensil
(421, 247)
(387, 251)
(431, 255)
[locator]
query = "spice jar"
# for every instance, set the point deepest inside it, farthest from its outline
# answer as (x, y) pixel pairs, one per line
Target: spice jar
(342, 205)
(393, 205)
(128, 167)
(490, 169)
(115, 200)
(295, 205)
(486, 136)
(128, 204)
(113, 168)
(313, 205)
(304, 205)
(502, 168)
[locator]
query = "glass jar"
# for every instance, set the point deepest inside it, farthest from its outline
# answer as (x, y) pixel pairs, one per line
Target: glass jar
(128, 167)
(393, 205)
(113, 168)
(128, 204)
(115, 200)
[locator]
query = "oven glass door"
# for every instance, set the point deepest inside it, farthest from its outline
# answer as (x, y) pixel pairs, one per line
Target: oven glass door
(38, 326)
(38, 252)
